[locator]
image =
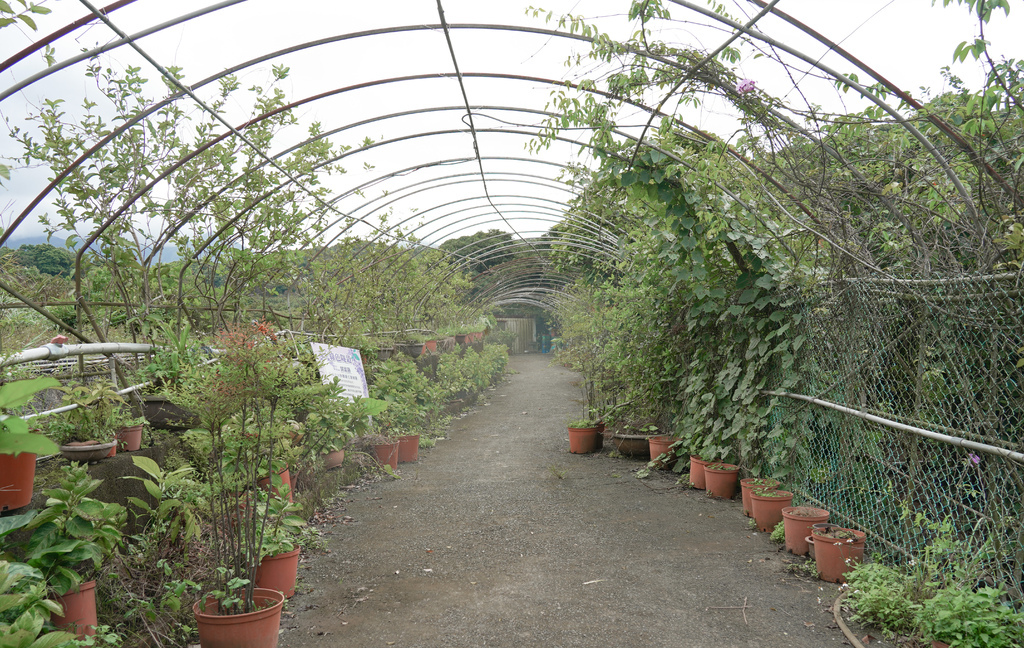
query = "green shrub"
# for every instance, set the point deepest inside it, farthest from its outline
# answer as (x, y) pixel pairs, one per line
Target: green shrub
(881, 596)
(967, 619)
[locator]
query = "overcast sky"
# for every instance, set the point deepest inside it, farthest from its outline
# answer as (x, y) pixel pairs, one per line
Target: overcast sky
(906, 40)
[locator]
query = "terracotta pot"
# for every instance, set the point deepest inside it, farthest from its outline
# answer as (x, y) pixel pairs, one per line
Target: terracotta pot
(279, 572)
(408, 448)
(79, 610)
(582, 440)
(834, 557)
(17, 473)
(430, 346)
(939, 644)
(721, 482)
(658, 445)
(286, 480)
(129, 439)
(333, 459)
(387, 453)
(747, 484)
(88, 453)
(697, 472)
(798, 521)
(253, 630)
(810, 546)
(768, 508)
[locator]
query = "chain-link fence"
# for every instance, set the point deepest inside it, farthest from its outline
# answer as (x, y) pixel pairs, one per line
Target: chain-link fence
(935, 356)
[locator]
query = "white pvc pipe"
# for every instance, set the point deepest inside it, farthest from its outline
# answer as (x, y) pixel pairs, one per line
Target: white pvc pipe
(938, 436)
(53, 351)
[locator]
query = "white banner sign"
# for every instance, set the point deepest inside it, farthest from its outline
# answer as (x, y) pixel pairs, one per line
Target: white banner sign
(344, 364)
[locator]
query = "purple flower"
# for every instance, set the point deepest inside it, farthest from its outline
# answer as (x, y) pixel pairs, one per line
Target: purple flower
(745, 86)
(975, 459)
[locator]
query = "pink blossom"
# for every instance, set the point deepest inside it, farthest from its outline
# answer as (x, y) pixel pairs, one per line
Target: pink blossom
(745, 86)
(975, 459)
(59, 340)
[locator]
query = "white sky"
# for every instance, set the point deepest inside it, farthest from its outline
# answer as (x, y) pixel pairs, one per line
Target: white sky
(908, 41)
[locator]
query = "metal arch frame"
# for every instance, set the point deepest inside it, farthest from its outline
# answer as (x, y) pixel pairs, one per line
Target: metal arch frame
(560, 34)
(170, 169)
(200, 148)
(570, 242)
(588, 249)
(861, 90)
(511, 28)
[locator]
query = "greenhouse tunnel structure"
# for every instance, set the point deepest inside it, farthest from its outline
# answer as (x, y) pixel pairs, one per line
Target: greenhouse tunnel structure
(774, 246)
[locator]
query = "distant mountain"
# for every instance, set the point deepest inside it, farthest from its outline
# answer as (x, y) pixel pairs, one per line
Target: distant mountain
(170, 252)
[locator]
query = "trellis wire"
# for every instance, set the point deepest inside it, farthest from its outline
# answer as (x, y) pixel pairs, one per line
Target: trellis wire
(936, 354)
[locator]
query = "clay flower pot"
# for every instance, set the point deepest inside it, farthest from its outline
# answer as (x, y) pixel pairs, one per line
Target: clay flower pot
(333, 459)
(408, 448)
(17, 473)
(750, 483)
(837, 551)
(582, 440)
(253, 630)
(810, 546)
(697, 472)
(720, 480)
(387, 453)
(798, 521)
(84, 452)
(600, 436)
(79, 611)
(286, 480)
(660, 445)
(129, 439)
(768, 505)
(279, 572)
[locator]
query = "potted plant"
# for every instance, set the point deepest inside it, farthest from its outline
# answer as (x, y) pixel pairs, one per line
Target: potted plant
(170, 364)
(25, 607)
(768, 505)
(720, 479)
(18, 446)
(87, 432)
(334, 421)
(762, 483)
(798, 521)
(279, 564)
(582, 436)
(837, 551)
(244, 402)
(129, 432)
(70, 538)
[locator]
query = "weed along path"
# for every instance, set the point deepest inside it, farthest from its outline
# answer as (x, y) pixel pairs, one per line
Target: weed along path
(499, 537)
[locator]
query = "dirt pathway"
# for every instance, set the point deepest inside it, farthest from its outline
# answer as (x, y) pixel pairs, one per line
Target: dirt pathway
(499, 537)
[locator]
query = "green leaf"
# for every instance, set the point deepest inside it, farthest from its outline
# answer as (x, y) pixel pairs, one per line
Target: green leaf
(15, 444)
(748, 295)
(19, 393)
(79, 528)
(145, 463)
(53, 639)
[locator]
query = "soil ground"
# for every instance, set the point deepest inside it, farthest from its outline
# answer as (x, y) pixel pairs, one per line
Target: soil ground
(499, 536)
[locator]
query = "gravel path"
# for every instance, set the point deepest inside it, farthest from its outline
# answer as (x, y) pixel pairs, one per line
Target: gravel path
(499, 537)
